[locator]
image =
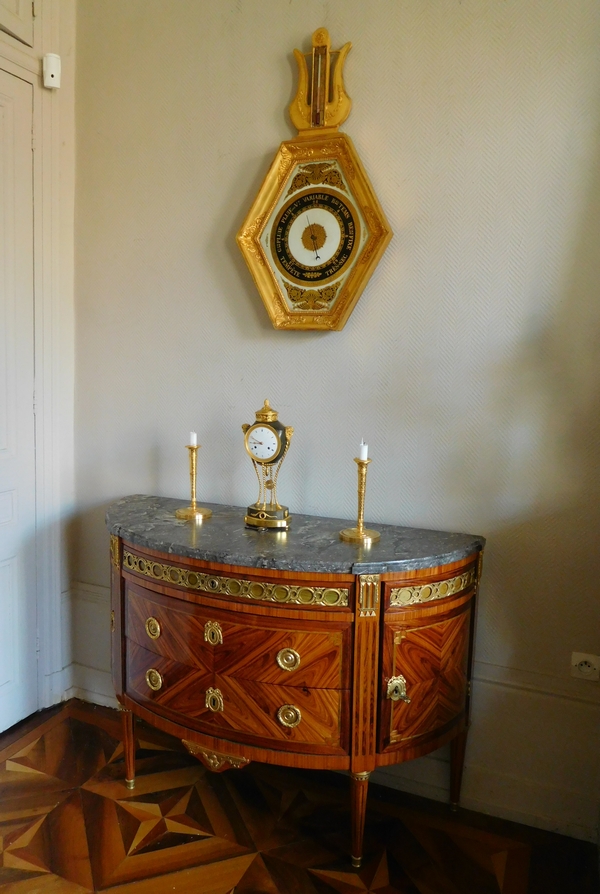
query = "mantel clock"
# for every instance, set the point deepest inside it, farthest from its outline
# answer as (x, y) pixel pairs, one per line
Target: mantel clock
(267, 442)
(315, 231)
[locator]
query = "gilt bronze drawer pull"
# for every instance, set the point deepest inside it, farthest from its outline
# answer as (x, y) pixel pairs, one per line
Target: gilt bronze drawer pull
(214, 700)
(213, 633)
(396, 689)
(152, 628)
(289, 715)
(288, 659)
(154, 679)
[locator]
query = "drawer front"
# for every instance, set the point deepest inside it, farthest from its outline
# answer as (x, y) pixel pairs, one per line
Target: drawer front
(313, 654)
(239, 710)
(169, 627)
(281, 713)
(160, 680)
(424, 685)
(268, 654)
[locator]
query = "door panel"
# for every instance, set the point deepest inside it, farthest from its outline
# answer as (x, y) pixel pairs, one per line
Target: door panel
(18, 620)
(16, 18)
(432, 659)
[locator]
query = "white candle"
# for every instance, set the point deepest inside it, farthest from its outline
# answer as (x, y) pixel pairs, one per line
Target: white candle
(363, 450)
(193, 439)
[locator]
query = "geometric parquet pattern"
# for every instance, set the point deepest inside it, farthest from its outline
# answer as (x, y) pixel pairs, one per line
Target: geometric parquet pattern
(69, 825)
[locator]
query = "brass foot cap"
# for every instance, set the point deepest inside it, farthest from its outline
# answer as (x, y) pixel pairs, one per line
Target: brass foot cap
(130, 783)
(454, 806)
(356, 862)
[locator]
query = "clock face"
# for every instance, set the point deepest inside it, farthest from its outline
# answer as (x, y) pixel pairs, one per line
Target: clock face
(263, 443)
(315, 236)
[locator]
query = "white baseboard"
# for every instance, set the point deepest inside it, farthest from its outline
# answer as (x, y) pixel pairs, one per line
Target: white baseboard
(91, 685)
(542, 684)
(532, 734)
(552, 807)
(88, 675)
(486, 791)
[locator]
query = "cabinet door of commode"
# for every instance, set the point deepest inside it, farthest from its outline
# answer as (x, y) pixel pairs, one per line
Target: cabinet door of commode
(424, 672)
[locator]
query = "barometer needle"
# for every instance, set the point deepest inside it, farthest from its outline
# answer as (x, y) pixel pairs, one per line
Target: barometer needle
(314, 239)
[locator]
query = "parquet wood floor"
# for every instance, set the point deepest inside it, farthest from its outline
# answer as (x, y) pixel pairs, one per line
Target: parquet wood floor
(69, 825)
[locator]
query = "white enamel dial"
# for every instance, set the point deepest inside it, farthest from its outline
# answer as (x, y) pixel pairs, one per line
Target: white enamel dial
(262, 443)
(314, 237)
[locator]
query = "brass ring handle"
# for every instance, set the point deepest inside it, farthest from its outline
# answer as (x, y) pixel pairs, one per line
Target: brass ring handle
(213, 633)
(153, 628)
(396, 689)
(289, 715)
(288, 659)
(154, 679)
(213, 700)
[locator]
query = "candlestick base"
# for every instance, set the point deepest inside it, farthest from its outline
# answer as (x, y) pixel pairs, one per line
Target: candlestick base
(356, 535)
(196, 512)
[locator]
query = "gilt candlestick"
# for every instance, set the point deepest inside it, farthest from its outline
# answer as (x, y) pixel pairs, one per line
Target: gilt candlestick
(360, 534)
(198, 513)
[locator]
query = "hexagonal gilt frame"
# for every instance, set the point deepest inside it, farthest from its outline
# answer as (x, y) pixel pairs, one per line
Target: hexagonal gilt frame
(319, 162)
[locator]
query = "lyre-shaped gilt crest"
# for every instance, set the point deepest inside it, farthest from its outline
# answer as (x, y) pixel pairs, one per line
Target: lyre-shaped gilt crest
(321, 100)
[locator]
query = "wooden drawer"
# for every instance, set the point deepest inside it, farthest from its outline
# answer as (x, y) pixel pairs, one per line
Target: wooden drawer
(241, 645)
(424, 674)
(237, 709)
(275, 654)
(169, 627)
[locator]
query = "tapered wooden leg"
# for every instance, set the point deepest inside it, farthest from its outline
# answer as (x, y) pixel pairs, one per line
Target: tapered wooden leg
(457, 762)
(127, 721)
(359, 786)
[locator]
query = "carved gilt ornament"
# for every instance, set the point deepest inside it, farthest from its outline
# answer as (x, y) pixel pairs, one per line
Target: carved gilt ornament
(315, 231)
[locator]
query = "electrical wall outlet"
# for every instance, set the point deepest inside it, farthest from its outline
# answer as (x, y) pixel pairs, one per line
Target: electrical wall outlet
(585, 667)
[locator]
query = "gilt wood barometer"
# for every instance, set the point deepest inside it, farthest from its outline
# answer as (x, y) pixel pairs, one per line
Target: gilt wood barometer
(315, 231)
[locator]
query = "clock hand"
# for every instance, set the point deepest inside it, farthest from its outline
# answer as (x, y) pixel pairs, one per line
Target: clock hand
(314, 239)
(254, 441)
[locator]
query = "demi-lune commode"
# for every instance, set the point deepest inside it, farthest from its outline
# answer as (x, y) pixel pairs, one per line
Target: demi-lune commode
(292, 648)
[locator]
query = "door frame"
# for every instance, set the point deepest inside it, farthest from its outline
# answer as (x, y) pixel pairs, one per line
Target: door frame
(53, 145)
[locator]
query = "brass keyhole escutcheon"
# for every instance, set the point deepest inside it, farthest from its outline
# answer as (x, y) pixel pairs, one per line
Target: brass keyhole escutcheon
(289, 715)
(152, 628)
(213, 633)
(288, 659)
(154, 679)
(213, 700)
(396, 689)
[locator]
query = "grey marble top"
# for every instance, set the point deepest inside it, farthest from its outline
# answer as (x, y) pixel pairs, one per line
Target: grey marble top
(311, 544)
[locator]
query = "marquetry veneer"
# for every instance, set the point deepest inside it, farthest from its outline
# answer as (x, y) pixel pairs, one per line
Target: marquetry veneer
(361, 666)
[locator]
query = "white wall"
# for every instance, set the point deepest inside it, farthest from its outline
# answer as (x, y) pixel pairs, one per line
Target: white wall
(470, 363)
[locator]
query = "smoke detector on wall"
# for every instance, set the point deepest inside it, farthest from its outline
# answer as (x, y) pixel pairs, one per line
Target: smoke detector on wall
(51, 69)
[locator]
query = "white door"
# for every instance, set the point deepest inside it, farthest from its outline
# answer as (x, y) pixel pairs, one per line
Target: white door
(18, 607)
